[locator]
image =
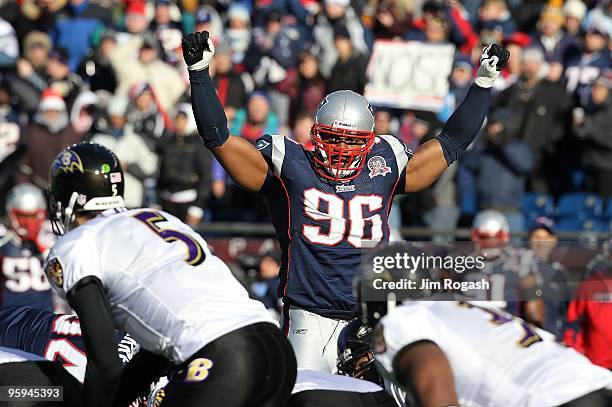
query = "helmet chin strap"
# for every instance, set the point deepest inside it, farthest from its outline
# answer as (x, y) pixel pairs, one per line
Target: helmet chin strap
(69, 212)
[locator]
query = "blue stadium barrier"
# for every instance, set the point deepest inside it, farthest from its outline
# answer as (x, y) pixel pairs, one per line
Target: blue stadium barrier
(574, 224)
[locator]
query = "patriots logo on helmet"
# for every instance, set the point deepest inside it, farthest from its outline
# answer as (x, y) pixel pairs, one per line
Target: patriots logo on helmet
(69, 161)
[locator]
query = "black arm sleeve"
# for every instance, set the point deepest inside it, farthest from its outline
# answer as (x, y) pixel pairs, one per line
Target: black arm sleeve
(103, 366)
(207, 109)
(463, 125)
(138, 374)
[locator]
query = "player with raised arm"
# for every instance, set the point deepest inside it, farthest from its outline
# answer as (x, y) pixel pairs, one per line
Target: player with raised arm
(330, 204)
(146, 273)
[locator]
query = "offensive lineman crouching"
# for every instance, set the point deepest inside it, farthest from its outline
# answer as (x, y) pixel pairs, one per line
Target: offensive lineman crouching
(147, 273)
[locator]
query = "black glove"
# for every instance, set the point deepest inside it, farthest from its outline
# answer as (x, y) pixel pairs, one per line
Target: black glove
(194, 47)
(501, 53)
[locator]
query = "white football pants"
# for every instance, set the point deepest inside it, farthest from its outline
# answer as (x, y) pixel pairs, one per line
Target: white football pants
(314, 339)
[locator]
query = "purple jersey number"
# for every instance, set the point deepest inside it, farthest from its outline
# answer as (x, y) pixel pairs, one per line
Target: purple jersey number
(195, 253)
(498, 317)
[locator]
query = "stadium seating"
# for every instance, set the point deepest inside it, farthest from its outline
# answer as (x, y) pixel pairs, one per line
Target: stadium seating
(579, 205)
(575, 224)
(536, 205)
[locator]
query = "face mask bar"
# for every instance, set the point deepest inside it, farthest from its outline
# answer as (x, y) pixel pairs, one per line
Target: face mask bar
(339, 163)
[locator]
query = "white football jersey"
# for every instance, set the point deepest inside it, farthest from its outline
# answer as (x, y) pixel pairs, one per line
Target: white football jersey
(164, 286)
(497, 359)
(316, 380)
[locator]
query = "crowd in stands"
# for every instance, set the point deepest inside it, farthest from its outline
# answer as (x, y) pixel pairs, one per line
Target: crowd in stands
(111, 71)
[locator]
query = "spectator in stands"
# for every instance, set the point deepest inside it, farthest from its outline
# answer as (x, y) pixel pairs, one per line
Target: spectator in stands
(393, 18)
(582, 70)
(96, 68)
(549, 311)
(49, 134)
(337, 13)
(29, 15)
(166, 29)
(273, 50)
(264, 287)
(30, 76)
(136, 22)
(146, 115)
(138, 161)
(238, 32)
(512, 71)
(207, 19)
(61, 79)
(231, 86)
(501, 162)
(349, 72)
(460, 82)
(592, 126)
(9, 113)
(588, 318)
(147, 67)
(75, 25)
(539, 110)
(305, 86)
(185, 169)
(494, 16)
(84, 112)
(9, 48)
(301, 130)
(558, 47)
(257, 119)
(574, 12)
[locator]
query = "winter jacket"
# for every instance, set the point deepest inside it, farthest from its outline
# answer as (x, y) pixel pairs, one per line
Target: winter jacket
(596, 137)
(164, 78)
(42, 146)
(74, 27)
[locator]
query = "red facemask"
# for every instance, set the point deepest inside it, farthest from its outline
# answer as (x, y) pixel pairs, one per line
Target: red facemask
(340, 153)
(27, 224)
(486, 240)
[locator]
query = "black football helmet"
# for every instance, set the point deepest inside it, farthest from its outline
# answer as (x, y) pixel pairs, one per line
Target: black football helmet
(355, 355)
(85, 177)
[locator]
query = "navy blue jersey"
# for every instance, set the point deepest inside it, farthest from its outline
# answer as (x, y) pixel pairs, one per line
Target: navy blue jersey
(324, 226)
(504, 275)
(56, 337)
(24, 279)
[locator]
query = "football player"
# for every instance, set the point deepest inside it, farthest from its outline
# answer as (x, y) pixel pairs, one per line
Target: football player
(462, 353)
(146, 273)
(356, 359)
(19, 369)
(329, 204)
(505, 269)
(56, 337)
(23, 247)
